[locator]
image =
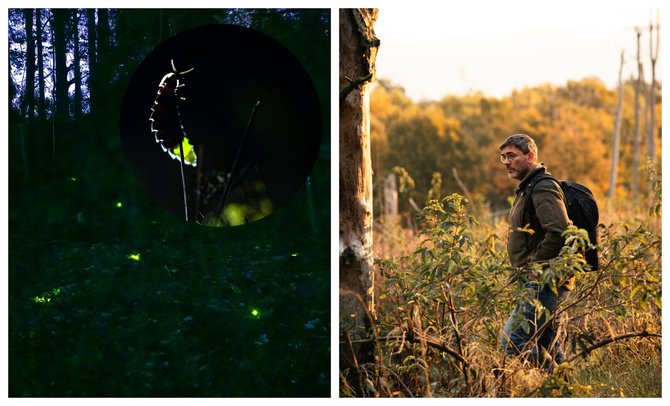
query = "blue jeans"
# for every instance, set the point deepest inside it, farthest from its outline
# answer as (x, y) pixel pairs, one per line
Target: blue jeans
(515, 339)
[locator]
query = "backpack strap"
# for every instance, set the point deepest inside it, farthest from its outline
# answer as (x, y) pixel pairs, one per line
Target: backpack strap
(528, 205)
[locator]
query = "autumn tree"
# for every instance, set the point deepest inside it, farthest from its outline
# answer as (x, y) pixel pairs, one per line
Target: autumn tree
(572, 124)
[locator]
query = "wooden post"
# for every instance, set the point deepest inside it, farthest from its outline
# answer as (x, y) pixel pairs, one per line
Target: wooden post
(390, 200)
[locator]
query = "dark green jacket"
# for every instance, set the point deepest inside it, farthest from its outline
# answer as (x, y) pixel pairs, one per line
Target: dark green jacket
(545, 244)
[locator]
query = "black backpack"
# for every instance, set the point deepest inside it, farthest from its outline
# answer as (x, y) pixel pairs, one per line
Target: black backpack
(582, 211)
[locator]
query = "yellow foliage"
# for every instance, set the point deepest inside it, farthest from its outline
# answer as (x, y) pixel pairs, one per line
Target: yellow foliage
(381, 105)
(437, 118)
(576, 151)
(572, 124)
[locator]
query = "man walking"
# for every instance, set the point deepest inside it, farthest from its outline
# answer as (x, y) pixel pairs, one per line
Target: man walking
(520, 155)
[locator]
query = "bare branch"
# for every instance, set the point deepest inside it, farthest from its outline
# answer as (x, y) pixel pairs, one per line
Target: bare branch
(584, 353)
(354, 84)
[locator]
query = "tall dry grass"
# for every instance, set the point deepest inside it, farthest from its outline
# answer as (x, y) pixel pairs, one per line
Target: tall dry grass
(447, 289)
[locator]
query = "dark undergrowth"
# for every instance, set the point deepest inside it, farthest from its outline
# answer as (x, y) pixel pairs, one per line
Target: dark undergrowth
(111, 296)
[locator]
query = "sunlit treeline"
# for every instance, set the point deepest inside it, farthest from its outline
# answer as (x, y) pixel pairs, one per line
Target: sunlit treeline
(459, 137)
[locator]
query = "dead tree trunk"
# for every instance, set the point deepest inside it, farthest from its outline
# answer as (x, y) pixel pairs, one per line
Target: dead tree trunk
(653, 56)
(617, 134)
(358, 51)
(636, 125)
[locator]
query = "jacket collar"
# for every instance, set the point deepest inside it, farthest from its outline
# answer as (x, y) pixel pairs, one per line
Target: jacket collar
(540, 168)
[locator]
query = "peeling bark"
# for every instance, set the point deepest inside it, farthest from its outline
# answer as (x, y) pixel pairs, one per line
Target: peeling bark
(358, 51)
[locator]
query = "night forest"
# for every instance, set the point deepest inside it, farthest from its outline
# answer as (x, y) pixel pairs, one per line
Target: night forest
(111, 295)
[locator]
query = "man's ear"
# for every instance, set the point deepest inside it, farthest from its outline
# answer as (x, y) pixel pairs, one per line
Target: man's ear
(532, 156)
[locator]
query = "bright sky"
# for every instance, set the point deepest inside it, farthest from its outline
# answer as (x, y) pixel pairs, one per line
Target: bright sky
(496, 47)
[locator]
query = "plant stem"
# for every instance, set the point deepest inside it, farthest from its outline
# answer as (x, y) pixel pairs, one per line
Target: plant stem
(183, 180)
(231, 178)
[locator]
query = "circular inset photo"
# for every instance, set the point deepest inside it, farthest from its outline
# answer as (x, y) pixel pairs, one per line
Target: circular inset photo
(221, 125)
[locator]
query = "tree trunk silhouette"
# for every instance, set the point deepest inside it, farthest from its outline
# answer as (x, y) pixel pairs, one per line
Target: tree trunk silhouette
(60, 49)
(104, 65)
(76, 58)
(92, 58)
(358, 51)
(39, 32)
(617, 134)
(28, 103)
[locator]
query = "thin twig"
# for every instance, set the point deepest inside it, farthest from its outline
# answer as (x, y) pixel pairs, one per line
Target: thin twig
(409, 392)
(437, 344)
(201, 164)
(231, 177)
(454, 322)
(357, 367)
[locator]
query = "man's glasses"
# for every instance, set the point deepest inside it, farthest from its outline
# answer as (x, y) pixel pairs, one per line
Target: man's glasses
(509, 157)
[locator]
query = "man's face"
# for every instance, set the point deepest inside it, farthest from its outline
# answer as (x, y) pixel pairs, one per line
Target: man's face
(516, 162)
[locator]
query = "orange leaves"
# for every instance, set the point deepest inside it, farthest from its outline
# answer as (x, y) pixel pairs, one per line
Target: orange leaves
(572, 125)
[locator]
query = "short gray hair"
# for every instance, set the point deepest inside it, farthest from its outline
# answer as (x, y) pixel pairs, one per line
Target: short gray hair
(522, 142)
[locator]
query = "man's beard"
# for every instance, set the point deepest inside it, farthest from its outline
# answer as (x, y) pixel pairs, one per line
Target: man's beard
(516, 174)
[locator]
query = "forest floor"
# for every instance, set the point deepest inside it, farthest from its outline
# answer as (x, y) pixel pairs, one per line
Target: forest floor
(109, 295)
